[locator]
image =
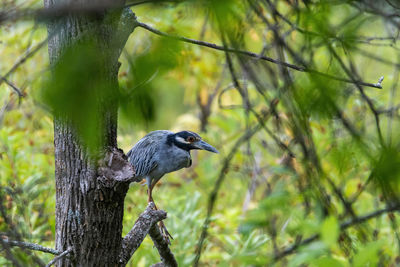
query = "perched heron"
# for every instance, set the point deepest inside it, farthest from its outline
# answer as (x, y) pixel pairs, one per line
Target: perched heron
(161, 152)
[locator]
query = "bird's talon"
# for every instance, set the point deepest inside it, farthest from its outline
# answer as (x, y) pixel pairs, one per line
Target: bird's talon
(166, 235)
(166, 239)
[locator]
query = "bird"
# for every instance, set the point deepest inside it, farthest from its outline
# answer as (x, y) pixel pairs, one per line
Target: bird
(161, 152)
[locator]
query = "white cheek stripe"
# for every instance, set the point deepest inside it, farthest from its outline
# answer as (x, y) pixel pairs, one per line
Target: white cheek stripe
(181, 140)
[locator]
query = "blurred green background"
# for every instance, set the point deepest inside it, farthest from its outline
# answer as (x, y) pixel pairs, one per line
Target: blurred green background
(268, 201)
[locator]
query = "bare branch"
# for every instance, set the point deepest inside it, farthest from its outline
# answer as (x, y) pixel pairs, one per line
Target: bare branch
(31, 246)
(64, 10)
(136, 3)
(15, 88)
(343, 226)
(167, 257)
(257, 56)
(139, 231)
(125, 28)
(65, 253)
(27, 55)
(219, 47)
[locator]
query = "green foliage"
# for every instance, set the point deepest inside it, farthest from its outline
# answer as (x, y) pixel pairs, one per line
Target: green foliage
(319, 97)
(368, 254)
(26, 188)
(79, 90)
(227, 15)
(268, 201)
(138, 88)
(387, 171)
(330, 231)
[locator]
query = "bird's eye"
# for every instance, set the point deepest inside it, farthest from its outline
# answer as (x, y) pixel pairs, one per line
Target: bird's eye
(190, 139)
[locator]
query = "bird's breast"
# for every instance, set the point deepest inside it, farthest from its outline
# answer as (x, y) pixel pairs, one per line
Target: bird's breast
(174, 160)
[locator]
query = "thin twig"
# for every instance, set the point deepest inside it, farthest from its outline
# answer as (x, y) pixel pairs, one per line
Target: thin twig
(15, 88)
(343, 226)
(150, 2)
(351, 73)
(65, 253)
(27, 55)
(255, 55)
(66, 10)
(31, 246)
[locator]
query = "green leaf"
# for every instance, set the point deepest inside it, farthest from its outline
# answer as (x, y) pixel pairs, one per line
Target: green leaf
(368, 255)
(330, 231)
(327, 262)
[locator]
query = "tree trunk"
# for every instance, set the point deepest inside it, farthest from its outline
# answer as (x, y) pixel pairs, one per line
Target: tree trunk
(88, 215)
(89, 203)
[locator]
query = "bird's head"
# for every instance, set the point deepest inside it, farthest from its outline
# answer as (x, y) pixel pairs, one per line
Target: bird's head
(189, 140)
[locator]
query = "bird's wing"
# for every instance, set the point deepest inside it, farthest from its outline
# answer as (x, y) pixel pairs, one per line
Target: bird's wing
(141, 156)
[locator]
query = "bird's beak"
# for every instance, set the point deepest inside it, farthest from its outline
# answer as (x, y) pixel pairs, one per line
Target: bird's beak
(204, 146)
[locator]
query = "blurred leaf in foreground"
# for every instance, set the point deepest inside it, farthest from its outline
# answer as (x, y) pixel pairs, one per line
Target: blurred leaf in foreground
(79, 90)
(139, 90)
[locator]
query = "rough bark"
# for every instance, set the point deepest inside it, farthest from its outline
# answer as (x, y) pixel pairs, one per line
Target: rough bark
(166, 255)
(143, 224)
(90, 193)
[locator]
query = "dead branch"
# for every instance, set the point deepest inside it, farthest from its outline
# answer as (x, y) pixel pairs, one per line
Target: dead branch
(166, 256)
(141, 228)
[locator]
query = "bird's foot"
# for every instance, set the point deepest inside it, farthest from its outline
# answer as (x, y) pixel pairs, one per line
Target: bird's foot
(163, 229)
(166, 235)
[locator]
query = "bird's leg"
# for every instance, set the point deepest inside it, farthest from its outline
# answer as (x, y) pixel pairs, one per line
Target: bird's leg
(162, 226)
(149, 197)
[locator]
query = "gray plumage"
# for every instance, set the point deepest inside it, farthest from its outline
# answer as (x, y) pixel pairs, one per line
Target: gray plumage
(152, 157)
(162, 152)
